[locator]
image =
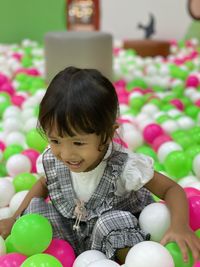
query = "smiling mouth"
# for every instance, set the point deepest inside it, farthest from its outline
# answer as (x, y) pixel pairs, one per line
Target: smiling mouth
(74, 164)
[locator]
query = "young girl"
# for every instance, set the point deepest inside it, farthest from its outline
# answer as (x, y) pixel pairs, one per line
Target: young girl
(97, 188)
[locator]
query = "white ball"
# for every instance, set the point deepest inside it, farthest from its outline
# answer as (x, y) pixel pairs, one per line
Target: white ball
(155, 220)
(7, 191)
(30, 124)
(87, 257)
(18, 164)
(185, 122)
(170, 126)
(187, 180)
(131, 136)
(196, 165)
(150, 109)
(12, 124)
(167, 148)
(103, 263)
(17, 199)
(2, 247)
(5, 213)
(11, 111)
(149, 253)
(15, 138)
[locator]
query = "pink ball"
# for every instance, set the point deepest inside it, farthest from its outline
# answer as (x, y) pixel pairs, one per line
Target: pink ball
(17, 100)
(197, 264)
(191, 191)
(63, 251)
(158, 141)
(197, 103)
(194, 211)
(3, 79)
(12, 260)
(192, 81)
(178, 104)
(32, 155)
(151, 131)
(2, 146)
(8, 88)
(17, 56)
(33, 72)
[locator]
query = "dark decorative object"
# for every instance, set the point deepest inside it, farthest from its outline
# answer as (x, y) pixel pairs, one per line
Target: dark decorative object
(149, 29)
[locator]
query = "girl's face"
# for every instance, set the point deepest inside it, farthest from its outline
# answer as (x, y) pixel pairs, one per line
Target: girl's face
(79, 153)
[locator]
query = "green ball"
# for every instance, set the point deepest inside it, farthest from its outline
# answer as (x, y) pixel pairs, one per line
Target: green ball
(192, 111)
(24, 181)
(36, 141)
(158, 166)
(162, 118)
(176, 254)
(12, 150)
(136, 103)
(31, 234)
(9, 245)
(192, 151)
(185, 141)
(3, 170)
(177, 164)
(146, 150)
(41, 260)
(178, 134)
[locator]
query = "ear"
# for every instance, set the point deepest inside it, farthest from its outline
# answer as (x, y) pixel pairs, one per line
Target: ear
(194, 9)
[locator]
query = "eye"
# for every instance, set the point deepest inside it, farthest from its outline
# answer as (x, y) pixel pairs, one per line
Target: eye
(53, 141)
(77, 143)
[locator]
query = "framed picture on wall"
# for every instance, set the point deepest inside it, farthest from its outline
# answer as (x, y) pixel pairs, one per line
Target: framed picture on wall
(83, 15)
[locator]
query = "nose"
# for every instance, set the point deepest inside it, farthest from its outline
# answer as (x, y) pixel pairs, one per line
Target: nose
(67, 153)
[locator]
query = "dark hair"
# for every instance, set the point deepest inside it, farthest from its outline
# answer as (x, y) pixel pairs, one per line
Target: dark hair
(80, 100)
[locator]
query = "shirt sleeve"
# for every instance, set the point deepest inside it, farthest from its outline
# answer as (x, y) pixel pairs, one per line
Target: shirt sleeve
(138, 171)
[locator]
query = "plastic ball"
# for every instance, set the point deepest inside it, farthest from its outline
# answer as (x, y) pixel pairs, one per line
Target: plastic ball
(178, 104)
(174, 250)
(5, 213)
(196, 165)
(16, 200)
(12, 111)
(87, 257)
(18, 100)
(197, 264)
(187, 181)
(2, 247)
(7, 191)
(12, 150)
(155, 220)
(104, 263)
(32, 155)
(146, 150)
(40, 260)
(15, 137)
(149, 253)
(12, 260)
(194, 211)
(36, 141)
(17, 164)
(191, 191)
(158, 141)
(177, 164)
(9, 245)
(152, 131)
(170, 126)
(2, 146)
(63, 251)
(192, 81)
(166, 148)
(31, 234)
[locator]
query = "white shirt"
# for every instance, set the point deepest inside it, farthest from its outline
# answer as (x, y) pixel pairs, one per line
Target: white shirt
(137, 172)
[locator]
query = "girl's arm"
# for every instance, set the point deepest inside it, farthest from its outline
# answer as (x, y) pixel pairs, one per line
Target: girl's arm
(38, 190)
(176, 200)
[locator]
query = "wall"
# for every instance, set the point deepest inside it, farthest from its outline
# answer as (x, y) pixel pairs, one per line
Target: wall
(121, 18)
(21, 19)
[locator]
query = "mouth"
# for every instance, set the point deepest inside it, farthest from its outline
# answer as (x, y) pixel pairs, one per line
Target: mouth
(74, 164)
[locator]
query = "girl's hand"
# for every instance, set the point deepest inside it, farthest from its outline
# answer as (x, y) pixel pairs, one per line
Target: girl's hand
(186, 240)
(6, 226)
